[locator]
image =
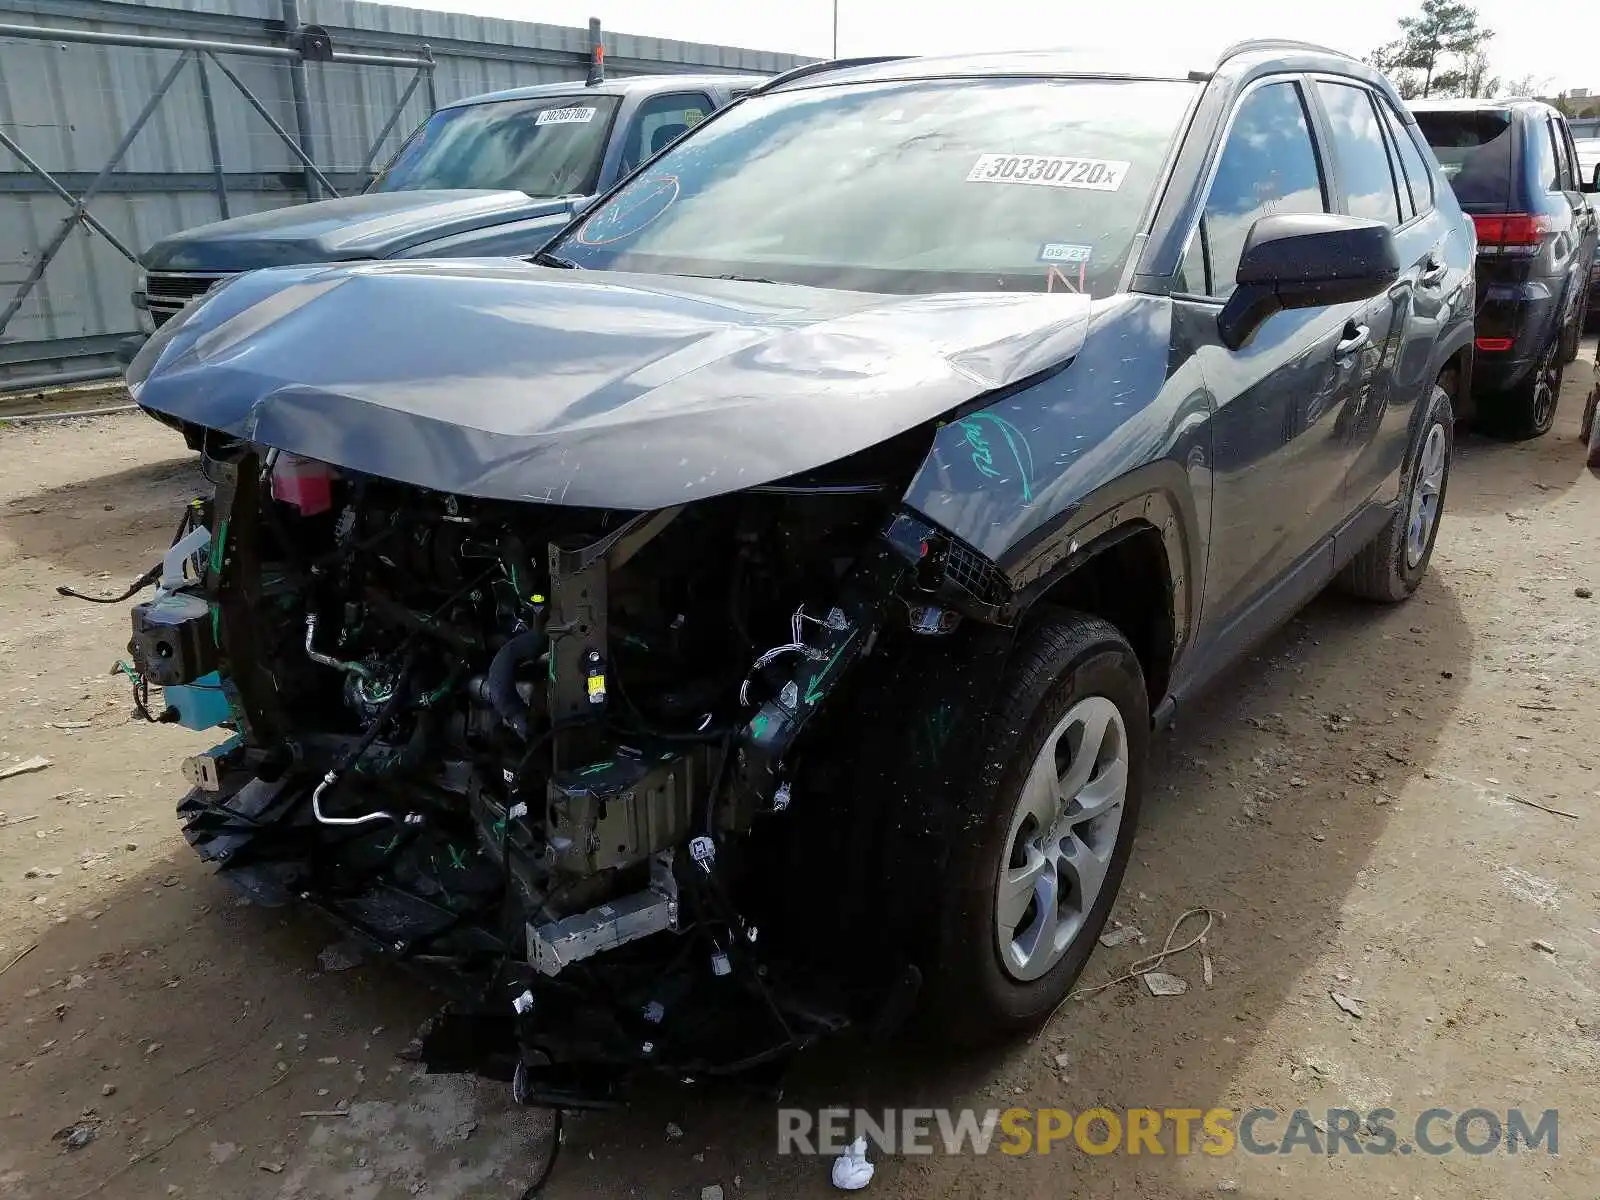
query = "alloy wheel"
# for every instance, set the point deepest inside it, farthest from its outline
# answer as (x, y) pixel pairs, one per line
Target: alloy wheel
(1062, 836)
(1547, 387)
(1424, 514)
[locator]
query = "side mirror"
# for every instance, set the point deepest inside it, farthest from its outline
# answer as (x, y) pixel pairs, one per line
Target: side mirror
(1593, 183)
(1306, 260)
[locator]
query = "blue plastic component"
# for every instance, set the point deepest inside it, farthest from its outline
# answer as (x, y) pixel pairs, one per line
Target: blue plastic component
(201, 704)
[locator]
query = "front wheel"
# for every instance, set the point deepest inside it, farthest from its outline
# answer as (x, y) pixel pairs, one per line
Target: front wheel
(1389, 568)
(1045, 830)
(1591, 433)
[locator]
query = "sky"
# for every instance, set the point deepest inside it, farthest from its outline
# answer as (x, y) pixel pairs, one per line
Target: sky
(1555, 41)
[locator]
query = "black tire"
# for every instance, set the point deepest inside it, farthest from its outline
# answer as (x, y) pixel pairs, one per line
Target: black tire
(1383, 571)
(1572, 335)
(1528, 410)
(1586, 426)
(1063, 659)
(1592, 433)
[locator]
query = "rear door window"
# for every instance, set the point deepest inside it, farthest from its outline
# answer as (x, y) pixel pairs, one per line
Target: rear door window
(1542, 148)
(1474, 152)
(1566, 172)
(1359, 151)
(1419, 179)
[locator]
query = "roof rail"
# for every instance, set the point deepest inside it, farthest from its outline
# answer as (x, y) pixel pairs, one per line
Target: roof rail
(806, 70)
(1275, 44)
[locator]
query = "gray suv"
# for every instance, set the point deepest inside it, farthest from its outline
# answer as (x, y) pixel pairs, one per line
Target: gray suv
(488, 175)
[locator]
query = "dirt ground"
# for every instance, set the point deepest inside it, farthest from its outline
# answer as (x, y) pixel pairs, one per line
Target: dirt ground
(1343, 802)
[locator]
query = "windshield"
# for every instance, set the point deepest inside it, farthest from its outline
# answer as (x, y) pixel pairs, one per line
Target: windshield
(551, 146)
(1474, 152)
(919, 187)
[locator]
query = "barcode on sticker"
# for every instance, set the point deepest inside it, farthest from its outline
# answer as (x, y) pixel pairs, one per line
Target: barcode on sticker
(565, 116)
(1049, 170)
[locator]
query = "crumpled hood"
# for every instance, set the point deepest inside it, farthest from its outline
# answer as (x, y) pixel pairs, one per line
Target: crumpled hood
(500, 379)
(377, 225)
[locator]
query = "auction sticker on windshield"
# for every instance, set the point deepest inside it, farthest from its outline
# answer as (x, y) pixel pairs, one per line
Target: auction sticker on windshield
(565, 116)
(1049, 170)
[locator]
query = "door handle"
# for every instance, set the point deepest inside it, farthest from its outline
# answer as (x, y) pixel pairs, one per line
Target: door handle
(1355, 337)
(1433, 272)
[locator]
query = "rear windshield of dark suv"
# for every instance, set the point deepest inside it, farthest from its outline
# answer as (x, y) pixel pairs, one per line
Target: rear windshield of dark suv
(1474, 151)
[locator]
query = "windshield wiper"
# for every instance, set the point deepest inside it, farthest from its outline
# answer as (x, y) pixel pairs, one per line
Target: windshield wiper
(545, 259)
(735, 278)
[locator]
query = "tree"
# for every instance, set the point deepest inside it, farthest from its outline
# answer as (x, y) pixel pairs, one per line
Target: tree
(1390, 60)
(1475, 78)
(1527, 85)
(1419, 60)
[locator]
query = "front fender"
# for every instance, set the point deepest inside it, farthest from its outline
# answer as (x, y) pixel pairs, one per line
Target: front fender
(1121, 435)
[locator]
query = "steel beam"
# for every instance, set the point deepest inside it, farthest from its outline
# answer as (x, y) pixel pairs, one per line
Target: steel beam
(219, 180)
(80, 205)
(97, 37)
(261, 110)
(52, 184)
(400, 108)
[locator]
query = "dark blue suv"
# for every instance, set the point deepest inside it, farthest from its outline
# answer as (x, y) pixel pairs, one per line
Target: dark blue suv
(1514, 168)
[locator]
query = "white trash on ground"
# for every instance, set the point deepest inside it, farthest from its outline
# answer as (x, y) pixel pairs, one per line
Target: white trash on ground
(851, 1170)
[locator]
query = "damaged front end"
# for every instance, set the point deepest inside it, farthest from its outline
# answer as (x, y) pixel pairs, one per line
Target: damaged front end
(554, 757)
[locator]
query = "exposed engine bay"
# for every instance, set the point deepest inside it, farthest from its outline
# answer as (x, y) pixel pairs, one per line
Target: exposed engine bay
(555, 758)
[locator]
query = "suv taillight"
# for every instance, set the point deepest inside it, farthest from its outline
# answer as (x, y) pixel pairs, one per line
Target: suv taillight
(1510, 229)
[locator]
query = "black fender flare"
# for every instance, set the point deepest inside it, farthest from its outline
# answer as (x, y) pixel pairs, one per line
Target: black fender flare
(1157, 497)
(1460, 338)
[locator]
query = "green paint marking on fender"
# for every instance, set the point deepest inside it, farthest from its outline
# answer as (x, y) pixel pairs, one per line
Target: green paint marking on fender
(596, 768)
(758, 725)
(814, 688)
(217, 544)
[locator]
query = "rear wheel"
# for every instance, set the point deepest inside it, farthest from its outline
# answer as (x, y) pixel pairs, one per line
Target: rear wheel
(1045, 832)
(1389, 568)
(1529, 409)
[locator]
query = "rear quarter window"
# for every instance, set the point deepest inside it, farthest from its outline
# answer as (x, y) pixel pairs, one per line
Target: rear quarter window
(1474, 153)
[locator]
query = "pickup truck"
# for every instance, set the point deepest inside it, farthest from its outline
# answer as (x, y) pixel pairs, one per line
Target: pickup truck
(489, 175)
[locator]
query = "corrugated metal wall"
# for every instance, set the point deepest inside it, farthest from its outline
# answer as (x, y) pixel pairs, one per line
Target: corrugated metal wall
(68, 105)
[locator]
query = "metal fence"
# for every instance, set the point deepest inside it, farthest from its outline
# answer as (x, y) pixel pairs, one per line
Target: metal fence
(111, 138)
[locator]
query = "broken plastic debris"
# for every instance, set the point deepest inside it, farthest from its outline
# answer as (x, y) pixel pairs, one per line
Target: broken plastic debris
(1541, 944)
(523, 1003)
(341, 956)
(1122, 933)
(851, 1170)
(76, 1137)
(26, 766)
(1162, 984)
(1349, 1004)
